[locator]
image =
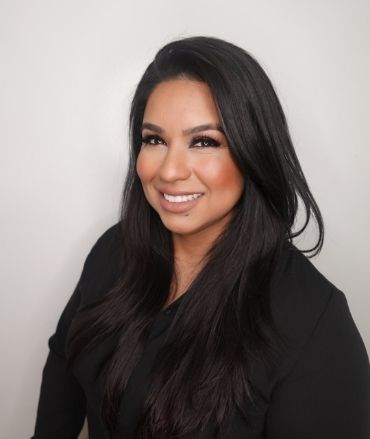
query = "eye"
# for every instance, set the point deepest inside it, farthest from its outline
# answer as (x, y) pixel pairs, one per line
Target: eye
(152, 140)
(204, 142)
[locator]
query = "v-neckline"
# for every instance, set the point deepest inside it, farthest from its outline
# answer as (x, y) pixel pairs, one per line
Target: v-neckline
(174, 303)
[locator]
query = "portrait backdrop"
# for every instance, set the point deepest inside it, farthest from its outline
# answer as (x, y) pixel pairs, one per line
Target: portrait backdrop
(68, 72)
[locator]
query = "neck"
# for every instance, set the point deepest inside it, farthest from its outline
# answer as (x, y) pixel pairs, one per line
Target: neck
(190, 249)
(189, 253)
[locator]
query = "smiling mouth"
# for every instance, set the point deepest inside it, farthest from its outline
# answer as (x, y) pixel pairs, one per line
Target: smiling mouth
(181, 198)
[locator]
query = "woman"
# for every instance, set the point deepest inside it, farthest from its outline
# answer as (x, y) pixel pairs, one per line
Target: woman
(195, 316)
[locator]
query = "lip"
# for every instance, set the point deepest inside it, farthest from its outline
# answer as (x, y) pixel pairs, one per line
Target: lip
(181, 207)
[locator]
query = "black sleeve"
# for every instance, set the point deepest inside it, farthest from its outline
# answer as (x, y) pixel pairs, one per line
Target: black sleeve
(62, 404)
(327, 393)
(61, 408)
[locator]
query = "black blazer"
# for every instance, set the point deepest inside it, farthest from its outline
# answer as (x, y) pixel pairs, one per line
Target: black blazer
(320, 391)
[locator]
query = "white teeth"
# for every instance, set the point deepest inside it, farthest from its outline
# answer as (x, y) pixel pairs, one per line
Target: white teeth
(180, 198)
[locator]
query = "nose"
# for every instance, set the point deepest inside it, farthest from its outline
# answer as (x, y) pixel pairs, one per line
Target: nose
(175, 165)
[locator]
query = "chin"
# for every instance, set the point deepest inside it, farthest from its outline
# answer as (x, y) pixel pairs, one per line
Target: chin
(180, 229)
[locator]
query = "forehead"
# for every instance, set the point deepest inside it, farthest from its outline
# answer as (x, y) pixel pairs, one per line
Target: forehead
(181, 101)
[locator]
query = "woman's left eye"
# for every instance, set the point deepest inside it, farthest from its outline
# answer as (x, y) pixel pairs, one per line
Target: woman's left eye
(204, 141)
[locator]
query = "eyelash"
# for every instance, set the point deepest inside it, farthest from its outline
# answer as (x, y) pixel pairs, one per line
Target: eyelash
(212, 142)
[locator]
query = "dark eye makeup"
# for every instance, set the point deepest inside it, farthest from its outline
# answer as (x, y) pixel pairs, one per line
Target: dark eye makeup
(151, 140)
(205, 141)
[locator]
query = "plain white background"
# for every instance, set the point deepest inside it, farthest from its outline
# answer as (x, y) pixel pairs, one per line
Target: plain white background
(68, 71)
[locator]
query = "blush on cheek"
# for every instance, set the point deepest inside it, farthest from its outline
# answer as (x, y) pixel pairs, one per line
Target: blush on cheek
(222, 173)
(147, 165)
(141, 167)
(233, 176)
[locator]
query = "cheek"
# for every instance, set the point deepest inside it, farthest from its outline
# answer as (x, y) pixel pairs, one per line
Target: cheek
(223, 174)
(146, 173)
(144, 167)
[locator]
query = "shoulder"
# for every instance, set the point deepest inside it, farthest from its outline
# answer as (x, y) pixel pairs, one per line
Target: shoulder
(106, 245)
(300, 295)
(102, 265)
(326, 360)
(314, 318)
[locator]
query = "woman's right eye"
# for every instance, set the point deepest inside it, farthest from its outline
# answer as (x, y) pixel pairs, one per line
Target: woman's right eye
(152, 140)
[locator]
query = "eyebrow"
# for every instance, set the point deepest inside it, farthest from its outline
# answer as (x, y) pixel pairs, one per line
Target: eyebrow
(197, 129)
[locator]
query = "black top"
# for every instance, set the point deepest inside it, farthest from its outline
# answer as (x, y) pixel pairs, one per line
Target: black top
(320, 391)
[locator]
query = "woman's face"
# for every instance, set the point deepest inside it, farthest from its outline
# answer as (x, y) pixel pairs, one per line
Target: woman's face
(185, 166)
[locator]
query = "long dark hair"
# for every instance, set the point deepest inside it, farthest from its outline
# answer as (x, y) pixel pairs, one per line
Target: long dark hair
(224, 326)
